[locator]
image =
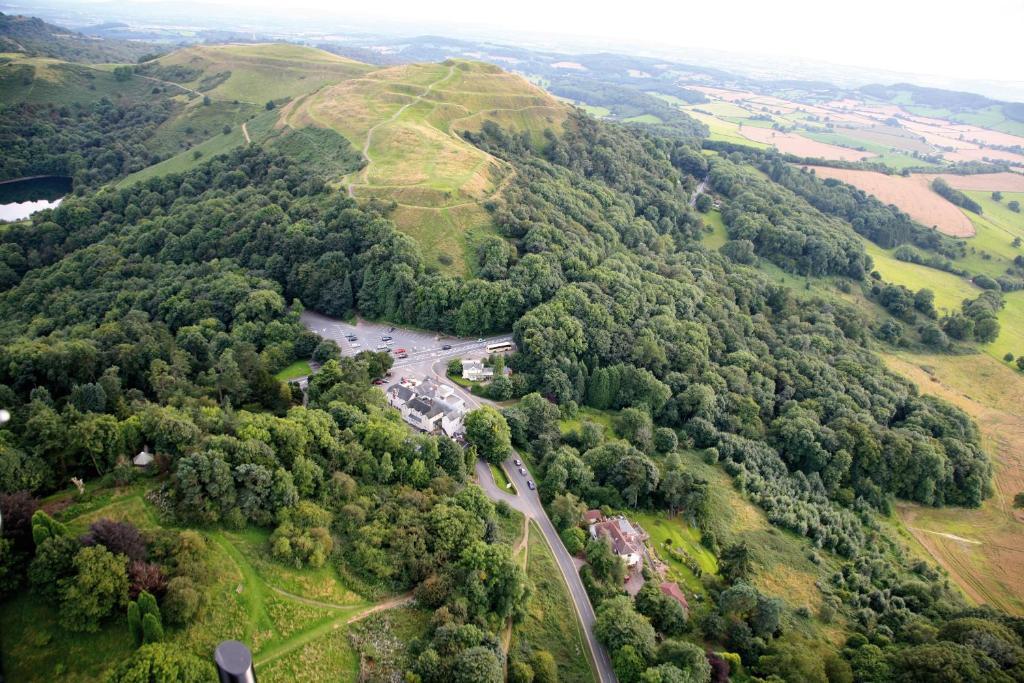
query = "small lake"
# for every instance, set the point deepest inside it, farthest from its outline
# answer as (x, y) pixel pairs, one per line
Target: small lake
(21, 198)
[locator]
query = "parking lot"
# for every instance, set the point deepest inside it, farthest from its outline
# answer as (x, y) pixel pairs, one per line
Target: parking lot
(420, 347)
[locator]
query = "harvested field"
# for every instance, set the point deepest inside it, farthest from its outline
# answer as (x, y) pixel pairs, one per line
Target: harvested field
(723, 94)
(911, 195)
(788, 143)
(983, 154)
(982, 549)
(1007, 182)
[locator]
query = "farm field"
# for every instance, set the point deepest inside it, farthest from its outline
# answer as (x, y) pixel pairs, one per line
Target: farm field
(791, 143)
(982, 549)
(912, 195)
(724, 131)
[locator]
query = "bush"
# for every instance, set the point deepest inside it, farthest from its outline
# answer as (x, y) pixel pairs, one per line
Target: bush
(182, 601)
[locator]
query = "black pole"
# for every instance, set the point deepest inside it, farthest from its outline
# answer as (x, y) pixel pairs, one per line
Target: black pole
(234, 663)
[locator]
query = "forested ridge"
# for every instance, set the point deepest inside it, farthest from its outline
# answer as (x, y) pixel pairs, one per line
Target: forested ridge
(157, 314)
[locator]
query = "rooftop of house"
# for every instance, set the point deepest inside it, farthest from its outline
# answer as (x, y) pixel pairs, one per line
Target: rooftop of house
(425, 407)
(592, 516)
(623, 543)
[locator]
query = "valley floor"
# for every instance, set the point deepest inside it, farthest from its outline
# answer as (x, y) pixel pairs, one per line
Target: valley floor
(982, 549)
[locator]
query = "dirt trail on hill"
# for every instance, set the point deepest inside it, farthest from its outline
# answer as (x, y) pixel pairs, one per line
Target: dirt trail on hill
(365, 172)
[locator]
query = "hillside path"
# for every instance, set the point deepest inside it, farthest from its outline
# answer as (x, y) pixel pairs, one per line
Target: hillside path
(365, 172)
(245, 132)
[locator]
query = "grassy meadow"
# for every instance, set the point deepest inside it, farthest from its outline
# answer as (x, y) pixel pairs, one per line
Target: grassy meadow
(550, 623)
(980, 548)
(296, 621)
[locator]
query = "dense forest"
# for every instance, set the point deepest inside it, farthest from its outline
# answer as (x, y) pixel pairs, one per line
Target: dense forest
(35, 37)
(92, 144)
(157, 314)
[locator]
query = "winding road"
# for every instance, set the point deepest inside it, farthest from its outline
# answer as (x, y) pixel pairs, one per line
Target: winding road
(528, 503)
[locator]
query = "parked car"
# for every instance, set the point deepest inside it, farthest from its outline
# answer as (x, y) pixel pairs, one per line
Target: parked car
(354, 345)
(518, 462)
(531, 485)
(386, 337)
(391, 329)
(402, 355)
(351, 337)
(446, 347)
(522, 471)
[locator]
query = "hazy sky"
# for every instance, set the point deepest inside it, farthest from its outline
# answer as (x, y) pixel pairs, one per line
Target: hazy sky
(978, 39)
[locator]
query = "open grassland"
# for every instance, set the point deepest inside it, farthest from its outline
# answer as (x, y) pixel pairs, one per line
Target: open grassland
(950, 290)
(604, 418)
(782, 564)
(296, 621)
(1011, 323)
(198, 122)
(550, 623)
(219, 143)
(991, 250)
(407, 120)
(41, 80)
(718, 234)
(982, 549)
(258, 73)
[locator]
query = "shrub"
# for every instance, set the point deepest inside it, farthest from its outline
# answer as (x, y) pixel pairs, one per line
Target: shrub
(182, 601)
(152, 630)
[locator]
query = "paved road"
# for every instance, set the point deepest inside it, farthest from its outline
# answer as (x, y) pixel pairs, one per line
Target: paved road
(528, 503)
(696, 193)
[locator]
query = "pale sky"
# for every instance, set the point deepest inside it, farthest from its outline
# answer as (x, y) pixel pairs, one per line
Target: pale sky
(980, 39)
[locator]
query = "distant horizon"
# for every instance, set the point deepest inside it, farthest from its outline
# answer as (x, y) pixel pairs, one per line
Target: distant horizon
(987, 75)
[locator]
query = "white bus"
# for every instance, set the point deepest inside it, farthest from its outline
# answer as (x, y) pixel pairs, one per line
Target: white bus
(499, 347)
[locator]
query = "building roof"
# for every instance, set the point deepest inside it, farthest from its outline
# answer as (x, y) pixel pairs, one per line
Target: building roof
(425, 407)
(592, 516)
(672, 590)
(401, 391)
(622, 543)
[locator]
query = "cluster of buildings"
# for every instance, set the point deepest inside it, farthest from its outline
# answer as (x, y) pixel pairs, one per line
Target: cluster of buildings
(428, 406)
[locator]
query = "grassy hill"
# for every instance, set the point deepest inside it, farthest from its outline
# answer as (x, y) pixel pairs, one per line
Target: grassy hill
(257, 73)
(406, 121)
(41, 80)
(35, 37)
